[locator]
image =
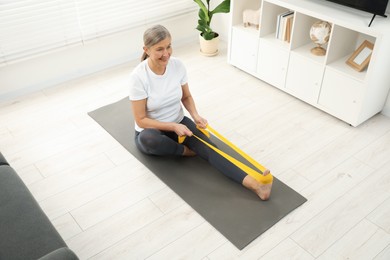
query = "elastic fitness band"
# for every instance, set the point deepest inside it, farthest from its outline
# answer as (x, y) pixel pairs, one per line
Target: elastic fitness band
(267, 179)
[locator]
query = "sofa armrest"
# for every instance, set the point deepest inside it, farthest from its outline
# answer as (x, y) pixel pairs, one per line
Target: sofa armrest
(63, 253)
(3, 161)
(25, 230)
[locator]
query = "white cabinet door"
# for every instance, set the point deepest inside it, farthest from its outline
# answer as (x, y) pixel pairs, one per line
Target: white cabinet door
(272, 64)
(244, 49)
(304, 78)
(342, 95)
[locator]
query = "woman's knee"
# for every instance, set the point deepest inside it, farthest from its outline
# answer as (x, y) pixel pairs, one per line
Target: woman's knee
(149, 139)
(153, 141)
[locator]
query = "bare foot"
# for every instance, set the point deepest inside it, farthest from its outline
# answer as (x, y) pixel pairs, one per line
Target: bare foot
(188, 152)
(262, 190)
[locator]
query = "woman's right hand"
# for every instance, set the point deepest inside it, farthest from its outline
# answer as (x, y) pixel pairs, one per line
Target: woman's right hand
(182, 130)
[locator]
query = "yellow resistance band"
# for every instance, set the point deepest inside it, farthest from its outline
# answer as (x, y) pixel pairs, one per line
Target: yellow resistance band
(248, 170)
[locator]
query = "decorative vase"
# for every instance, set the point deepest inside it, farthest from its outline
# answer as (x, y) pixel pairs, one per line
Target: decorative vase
(319, 34)
(209, 47)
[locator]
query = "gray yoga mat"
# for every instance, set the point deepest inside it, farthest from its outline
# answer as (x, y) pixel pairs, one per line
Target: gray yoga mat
(232, 209)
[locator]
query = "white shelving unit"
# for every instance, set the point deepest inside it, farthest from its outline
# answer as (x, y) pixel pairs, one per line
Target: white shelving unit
(325, 82)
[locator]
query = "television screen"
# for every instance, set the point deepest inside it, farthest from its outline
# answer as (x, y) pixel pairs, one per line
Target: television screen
(372, 6)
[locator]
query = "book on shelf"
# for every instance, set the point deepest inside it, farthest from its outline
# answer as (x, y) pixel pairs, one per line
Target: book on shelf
(284, 26)
(288, 26)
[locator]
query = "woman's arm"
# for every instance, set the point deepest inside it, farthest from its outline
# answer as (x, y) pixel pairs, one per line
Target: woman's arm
(189, 104)
(140, 117)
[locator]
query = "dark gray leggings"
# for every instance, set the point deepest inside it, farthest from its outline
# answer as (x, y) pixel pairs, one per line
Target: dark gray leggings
(156, 142)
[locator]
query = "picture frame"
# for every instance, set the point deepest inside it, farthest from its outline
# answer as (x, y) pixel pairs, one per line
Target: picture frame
(360, 58)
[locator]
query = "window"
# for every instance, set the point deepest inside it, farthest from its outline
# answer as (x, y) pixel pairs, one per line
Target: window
(33, 27)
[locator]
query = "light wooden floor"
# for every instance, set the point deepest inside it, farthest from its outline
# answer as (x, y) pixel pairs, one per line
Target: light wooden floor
(106, 205)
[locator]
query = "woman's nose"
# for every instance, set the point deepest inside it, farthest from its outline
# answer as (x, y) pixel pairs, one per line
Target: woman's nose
(166, 52)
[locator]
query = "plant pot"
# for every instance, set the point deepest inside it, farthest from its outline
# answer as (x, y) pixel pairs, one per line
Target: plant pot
(209, 47)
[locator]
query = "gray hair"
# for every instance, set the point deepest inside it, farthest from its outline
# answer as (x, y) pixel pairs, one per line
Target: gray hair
(153, 36)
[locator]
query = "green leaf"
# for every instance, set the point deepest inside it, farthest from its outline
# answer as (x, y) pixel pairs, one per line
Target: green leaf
(223, 7)
(201, 28)
(201, 22)
(203, 16)
(208, 36)
(202, 7)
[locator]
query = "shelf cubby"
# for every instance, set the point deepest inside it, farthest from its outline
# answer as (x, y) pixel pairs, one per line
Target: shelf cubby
(301, 41)
(238, 7)
(344, 42)
(269, 18)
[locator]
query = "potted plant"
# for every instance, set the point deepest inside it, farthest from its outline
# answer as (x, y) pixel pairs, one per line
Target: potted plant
(208, 38)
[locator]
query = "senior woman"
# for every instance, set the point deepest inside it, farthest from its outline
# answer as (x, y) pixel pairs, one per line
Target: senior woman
(158, 89)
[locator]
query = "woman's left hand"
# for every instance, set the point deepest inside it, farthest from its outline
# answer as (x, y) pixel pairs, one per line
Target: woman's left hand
(201, 122)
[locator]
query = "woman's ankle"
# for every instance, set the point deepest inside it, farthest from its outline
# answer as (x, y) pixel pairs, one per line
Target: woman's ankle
(188, 152)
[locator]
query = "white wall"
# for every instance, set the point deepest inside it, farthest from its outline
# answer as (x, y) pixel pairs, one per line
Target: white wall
(70, 63)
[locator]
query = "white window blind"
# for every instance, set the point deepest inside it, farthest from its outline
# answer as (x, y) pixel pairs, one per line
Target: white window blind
(34, 27)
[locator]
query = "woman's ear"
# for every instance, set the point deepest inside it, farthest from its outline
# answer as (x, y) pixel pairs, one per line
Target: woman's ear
(146, 50)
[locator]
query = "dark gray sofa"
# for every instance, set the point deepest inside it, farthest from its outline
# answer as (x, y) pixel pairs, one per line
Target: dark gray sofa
(25, 231)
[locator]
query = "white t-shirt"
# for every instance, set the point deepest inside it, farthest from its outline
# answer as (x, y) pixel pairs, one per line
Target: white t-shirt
(163, 93)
